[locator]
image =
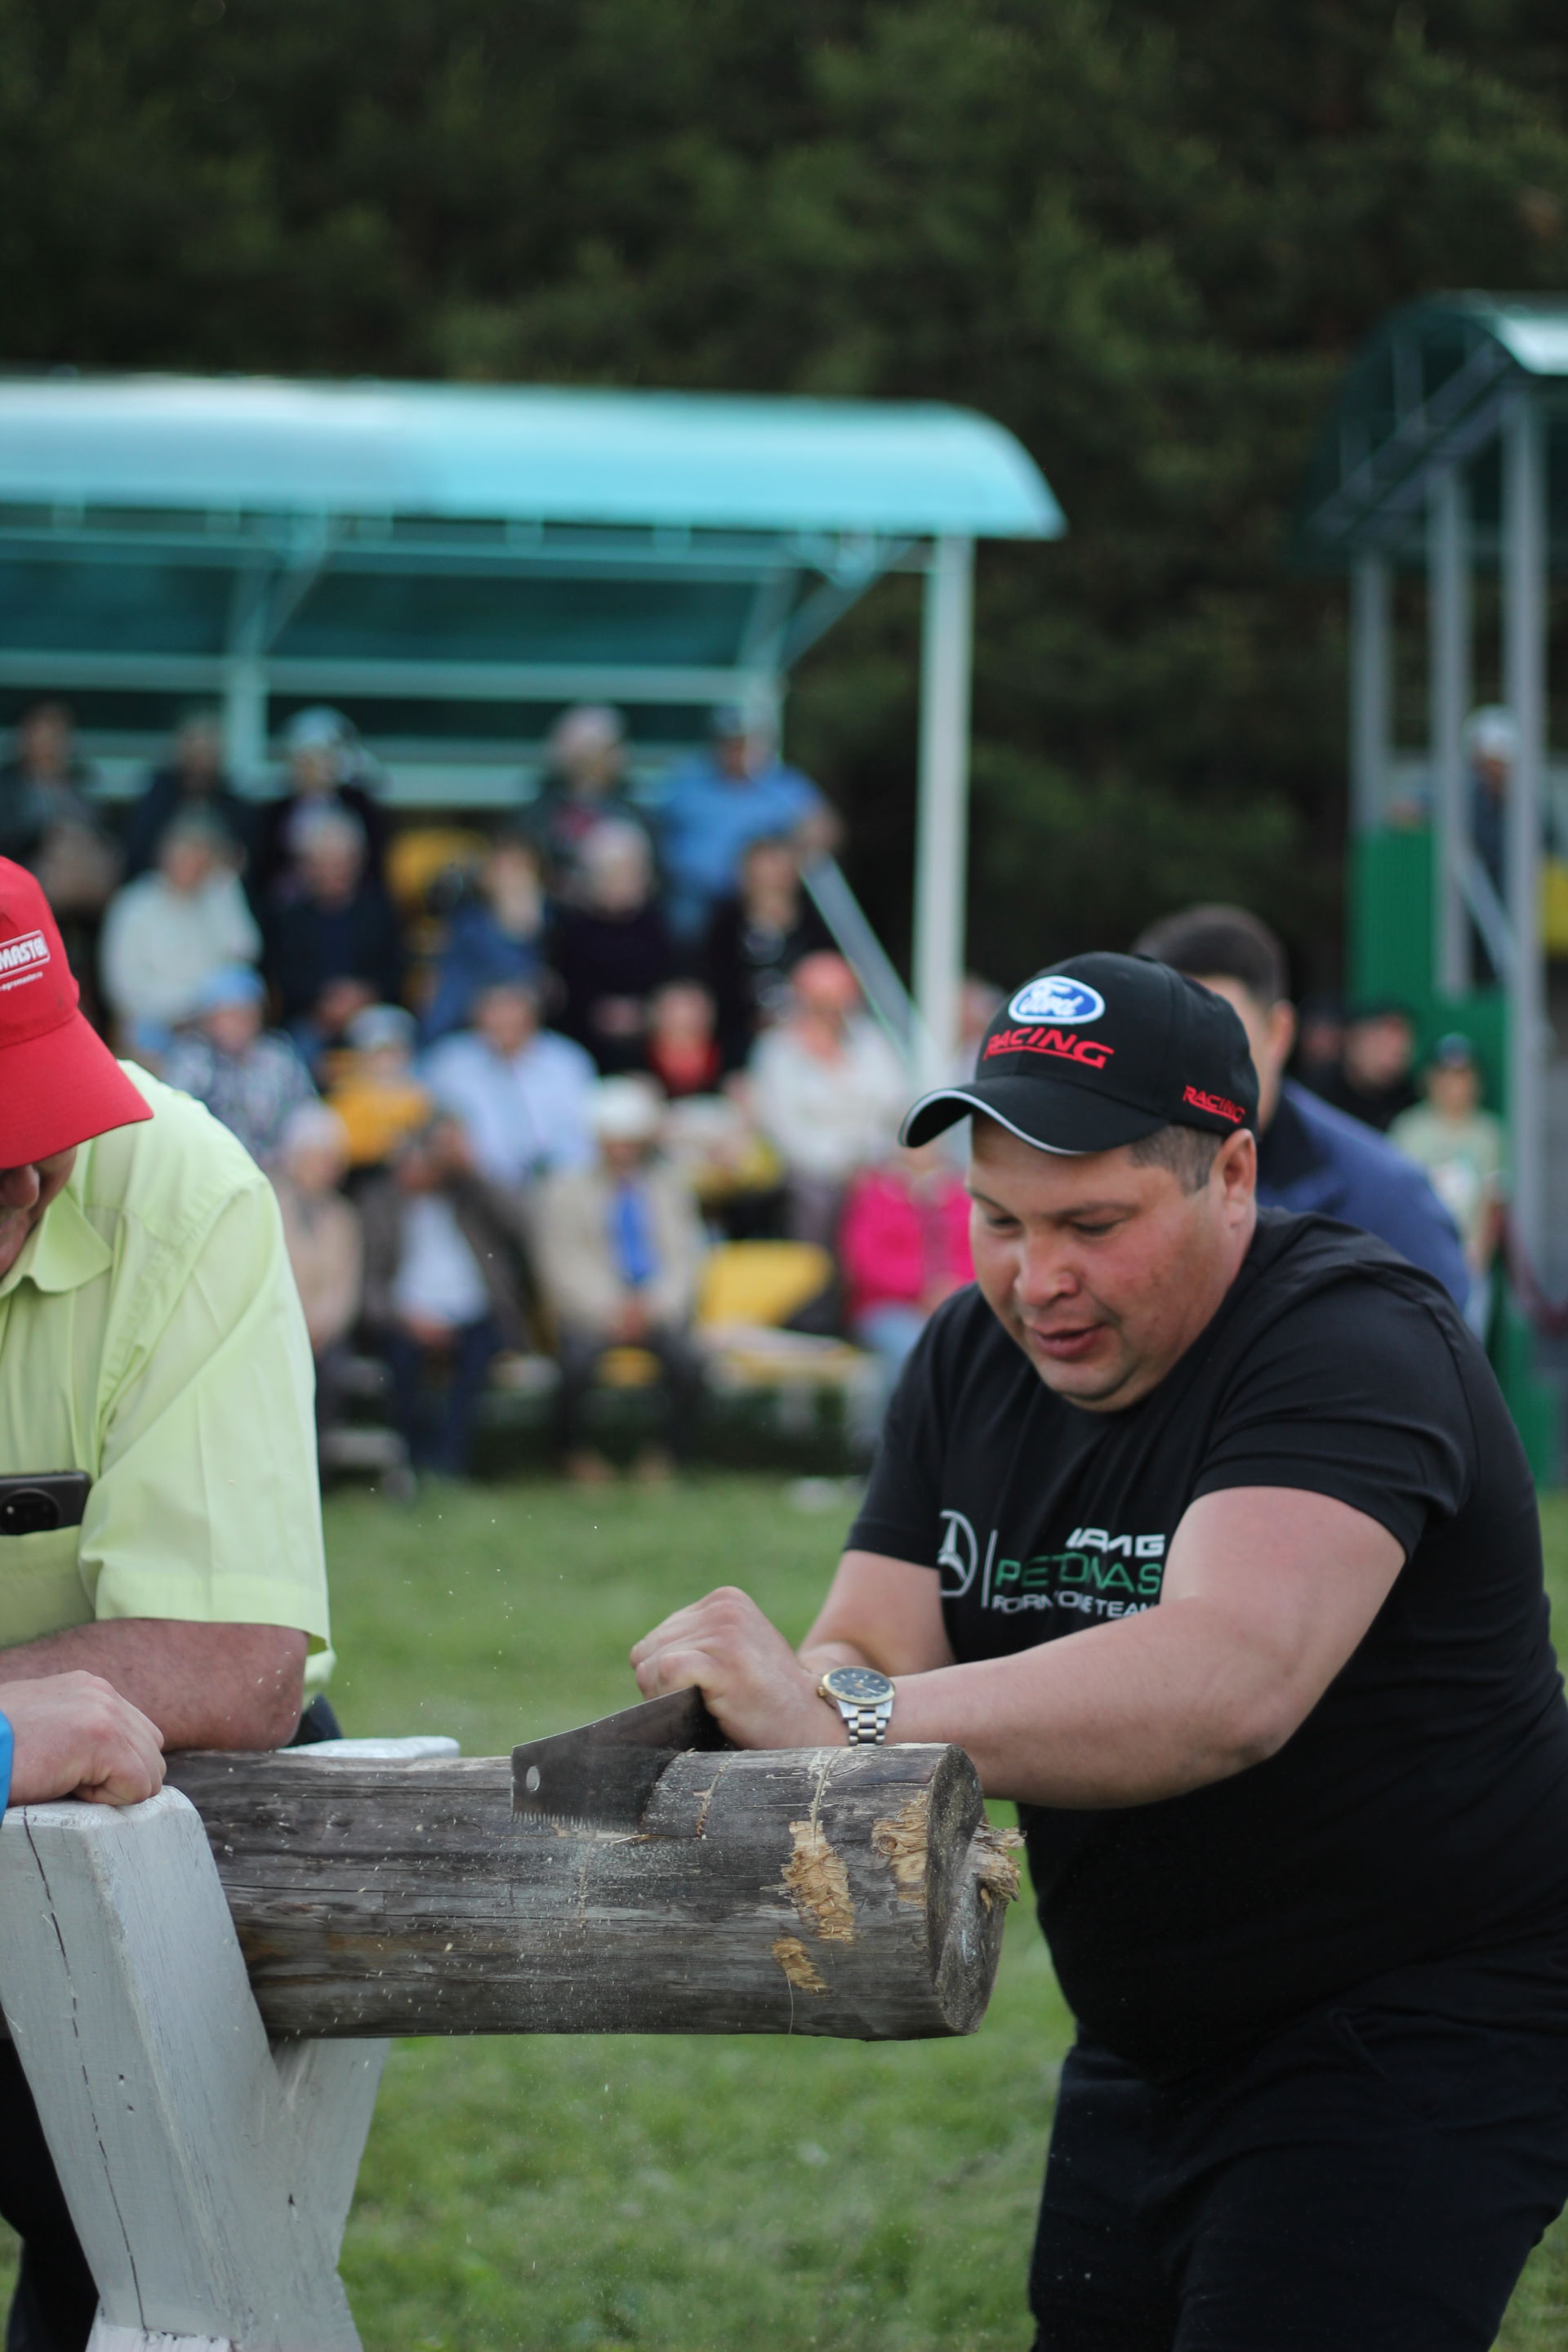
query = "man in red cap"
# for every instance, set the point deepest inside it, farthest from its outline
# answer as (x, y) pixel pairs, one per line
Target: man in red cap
(1207, 1534)
(160, 1526)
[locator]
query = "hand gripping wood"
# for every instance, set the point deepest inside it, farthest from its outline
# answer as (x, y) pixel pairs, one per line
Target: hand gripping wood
(209, 2177)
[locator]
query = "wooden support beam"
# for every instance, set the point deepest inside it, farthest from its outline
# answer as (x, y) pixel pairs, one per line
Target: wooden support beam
(857, 1892)
(208, 2177)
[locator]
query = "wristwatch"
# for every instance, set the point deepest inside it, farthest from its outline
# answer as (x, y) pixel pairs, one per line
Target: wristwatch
(863, 1697)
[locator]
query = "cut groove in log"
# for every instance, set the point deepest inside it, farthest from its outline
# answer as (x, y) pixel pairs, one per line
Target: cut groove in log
(857, 1891)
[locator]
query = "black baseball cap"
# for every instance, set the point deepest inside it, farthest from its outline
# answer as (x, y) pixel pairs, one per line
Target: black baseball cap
(1099, 1050)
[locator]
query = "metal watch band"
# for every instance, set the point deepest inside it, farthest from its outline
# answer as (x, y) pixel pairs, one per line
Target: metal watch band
(867, 1725)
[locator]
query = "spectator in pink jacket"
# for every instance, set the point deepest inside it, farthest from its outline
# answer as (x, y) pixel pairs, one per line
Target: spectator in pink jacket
(903, 1247)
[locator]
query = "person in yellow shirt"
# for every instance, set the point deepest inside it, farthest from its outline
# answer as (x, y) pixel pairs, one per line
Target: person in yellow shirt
(160, 1525)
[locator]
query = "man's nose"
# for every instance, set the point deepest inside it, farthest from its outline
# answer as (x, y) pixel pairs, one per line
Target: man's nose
(20, 1187)
(1046, 1272)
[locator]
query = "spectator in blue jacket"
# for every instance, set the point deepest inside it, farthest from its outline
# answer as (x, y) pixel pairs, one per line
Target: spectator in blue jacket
(1309, 1156)
(737, 793)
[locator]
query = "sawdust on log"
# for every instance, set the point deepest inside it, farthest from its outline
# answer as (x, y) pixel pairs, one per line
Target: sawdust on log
(798, 1966)
(995, 1872)
(818, 1879)
(901, 1841)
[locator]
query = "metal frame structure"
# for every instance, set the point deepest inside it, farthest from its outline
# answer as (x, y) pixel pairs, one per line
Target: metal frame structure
(1448, 450)
(480, 557)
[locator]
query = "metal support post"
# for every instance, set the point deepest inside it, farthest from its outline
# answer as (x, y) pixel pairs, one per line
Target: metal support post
(1371, 691)
(1449, 699)
(1524, 586)
(941, 839)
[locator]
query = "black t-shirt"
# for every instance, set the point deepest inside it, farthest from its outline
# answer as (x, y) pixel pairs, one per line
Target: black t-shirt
(1418, 1819)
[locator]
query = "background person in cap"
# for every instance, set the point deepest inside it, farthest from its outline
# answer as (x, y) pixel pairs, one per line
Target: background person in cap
(620, 1250)
(733, 794)
(1463, 1150)
(1208, 1535)
(250, 1077)
(1311, 1157)
(150, 1339)
(328, 770)
(583, 788)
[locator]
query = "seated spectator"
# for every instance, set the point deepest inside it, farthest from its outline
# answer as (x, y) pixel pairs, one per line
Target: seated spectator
(521, 1091)
(191, 780)
(374, 1093)
(903, 1247)
(826, 1088)
(337, 927)
(250, 1078)
(1374, 1081)
(583, 788)
(49, 823)
(1310, 1158)
(328, 770)
(495, 931)
(443, 1287)
(326, 1250)
(168, 932)
(1463, 1149)
(620, 1251)
(755, 941)
(734, 1171)
(612, 952)
(1320, 1043)
(682, 1046)
(735, 793)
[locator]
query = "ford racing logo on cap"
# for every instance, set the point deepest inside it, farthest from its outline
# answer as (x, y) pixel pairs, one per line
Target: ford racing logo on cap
(1054, 997)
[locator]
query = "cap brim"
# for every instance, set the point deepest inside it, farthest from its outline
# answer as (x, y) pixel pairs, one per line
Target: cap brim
(1064, 1120)
(60, 1090)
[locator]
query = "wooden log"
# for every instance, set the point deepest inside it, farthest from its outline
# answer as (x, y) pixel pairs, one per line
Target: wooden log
(857, 1892)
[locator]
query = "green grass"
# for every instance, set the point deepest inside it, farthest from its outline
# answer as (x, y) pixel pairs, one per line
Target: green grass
(696, 2195)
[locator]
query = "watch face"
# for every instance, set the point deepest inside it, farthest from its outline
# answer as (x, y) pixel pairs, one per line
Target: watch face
(861, 1686)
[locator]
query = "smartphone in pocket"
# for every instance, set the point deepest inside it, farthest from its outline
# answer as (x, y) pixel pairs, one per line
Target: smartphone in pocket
(37, 1502)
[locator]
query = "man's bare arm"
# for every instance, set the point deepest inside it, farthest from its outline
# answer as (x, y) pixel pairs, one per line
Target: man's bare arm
(203, 1685)
(879, 1613)
(1268, 1592)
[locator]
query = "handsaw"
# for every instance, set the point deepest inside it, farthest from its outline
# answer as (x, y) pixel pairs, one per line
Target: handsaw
(602, 1775)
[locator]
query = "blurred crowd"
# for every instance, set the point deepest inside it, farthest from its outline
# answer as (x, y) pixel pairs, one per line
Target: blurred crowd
(513, 1087)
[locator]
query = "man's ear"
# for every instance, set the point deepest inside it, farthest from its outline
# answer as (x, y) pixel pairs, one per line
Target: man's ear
(1235, 1171)
(1282, 1027)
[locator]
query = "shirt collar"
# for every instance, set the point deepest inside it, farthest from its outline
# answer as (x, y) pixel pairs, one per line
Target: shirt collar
(63, 1254)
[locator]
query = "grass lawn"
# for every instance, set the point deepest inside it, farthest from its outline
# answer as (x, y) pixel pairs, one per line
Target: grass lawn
(721, 2195)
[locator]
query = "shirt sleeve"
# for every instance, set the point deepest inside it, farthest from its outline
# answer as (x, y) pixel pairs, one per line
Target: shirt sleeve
(206, 1506)
(1355, 1394)
(900, 1518)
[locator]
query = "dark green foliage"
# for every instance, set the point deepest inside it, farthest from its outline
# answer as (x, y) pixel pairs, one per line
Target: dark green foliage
(1146, 237)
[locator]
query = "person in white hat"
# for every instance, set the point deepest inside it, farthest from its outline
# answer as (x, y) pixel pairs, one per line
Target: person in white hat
(620, 1249)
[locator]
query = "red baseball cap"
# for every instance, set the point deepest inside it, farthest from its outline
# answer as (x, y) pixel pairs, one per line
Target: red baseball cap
(60, 1083)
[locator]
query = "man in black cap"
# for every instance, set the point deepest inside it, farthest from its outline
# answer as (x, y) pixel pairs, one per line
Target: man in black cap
(1207, 1534)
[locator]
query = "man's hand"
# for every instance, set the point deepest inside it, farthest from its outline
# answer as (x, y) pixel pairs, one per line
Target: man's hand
(428, 1331)
(755, 1687)
(631, 1322)
(74, 1736)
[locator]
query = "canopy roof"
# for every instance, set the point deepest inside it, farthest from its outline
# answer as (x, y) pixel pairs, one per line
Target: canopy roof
(1428, 391)
(453, 564)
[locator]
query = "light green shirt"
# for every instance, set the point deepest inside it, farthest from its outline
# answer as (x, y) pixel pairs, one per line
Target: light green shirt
(151, 1335)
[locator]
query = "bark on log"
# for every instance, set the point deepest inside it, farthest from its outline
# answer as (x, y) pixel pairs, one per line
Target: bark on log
(857, 1892)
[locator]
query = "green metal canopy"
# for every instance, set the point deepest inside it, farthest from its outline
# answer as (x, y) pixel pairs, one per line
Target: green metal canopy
(1427, 392)
(455, 563)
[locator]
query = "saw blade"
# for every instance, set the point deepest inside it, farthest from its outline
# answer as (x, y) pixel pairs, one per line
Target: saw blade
(602, 1775)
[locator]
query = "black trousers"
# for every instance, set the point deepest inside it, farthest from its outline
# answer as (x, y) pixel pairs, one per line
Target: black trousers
(56, 2300)
(680, 1362)
(1370, 2179)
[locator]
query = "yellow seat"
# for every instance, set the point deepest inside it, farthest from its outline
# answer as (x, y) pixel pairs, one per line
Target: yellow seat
(415, 855)
(760, 1282)
(629, 1368)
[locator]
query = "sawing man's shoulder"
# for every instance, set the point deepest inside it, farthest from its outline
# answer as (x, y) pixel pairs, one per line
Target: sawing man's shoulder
(171, 1173)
